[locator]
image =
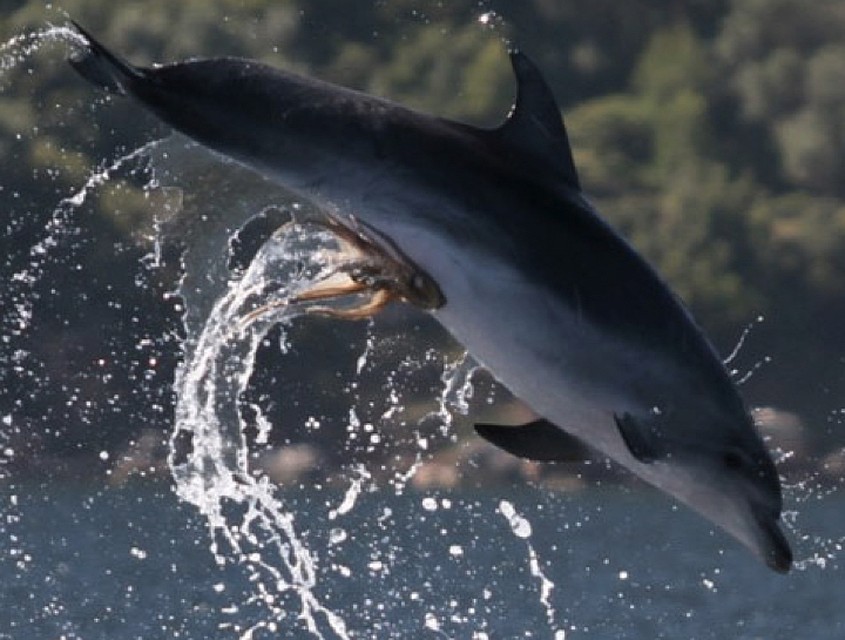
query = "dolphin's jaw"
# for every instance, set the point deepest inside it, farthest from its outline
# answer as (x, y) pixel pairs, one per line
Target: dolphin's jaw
(731, 503)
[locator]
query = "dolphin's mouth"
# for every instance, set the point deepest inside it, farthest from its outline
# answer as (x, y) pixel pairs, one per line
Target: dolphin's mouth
(373, 268)
(774, 547)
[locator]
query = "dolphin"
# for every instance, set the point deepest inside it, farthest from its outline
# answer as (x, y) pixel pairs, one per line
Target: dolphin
(535, 284)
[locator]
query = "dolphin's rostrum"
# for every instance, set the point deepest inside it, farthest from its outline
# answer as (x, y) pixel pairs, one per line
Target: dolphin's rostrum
(536, 285)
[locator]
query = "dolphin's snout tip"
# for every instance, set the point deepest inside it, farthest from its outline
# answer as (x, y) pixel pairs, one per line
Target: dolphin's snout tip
(779, 557)
(777, 553)
(781, 564)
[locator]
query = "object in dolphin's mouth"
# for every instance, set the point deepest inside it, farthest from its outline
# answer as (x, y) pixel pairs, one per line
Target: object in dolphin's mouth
(373, 266)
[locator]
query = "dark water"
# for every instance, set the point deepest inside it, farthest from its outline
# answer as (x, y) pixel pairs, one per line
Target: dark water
(77, 563)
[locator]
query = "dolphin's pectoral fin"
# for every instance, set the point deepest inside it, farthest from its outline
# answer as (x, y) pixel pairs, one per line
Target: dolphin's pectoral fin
(639, 438)
(540, 441)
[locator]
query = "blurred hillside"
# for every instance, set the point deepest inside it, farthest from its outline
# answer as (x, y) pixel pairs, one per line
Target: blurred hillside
(711, 132)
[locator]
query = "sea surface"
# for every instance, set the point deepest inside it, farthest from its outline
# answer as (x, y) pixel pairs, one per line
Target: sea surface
(78, 562)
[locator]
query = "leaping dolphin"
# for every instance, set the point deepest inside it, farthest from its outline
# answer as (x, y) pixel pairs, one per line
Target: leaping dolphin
(534, 284)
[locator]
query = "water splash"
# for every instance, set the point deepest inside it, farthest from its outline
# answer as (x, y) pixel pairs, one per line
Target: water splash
(209, 448)
(739, 377)
(19, 48)
(740, 343)
(249, 523)
(493, 21)
(814, 549)
(458, 389)
(61, 224)
(521, 528)
(16, 550)
(361, 475)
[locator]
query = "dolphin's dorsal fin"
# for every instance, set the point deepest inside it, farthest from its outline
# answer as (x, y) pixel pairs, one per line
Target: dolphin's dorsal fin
(534, 126)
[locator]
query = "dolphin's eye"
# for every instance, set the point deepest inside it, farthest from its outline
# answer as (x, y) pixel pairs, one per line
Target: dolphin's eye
(732, 459)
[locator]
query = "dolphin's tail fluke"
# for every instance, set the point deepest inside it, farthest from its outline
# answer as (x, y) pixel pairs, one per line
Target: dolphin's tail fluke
(101, 67)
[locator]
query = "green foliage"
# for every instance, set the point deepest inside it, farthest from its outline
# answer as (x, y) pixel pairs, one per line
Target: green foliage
(657, 141)
(784, 60)
(674, 60)
(613, 142)
(800, 237)
(468, 79)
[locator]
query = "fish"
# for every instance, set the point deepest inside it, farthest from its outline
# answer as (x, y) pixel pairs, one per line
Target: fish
(530, 279)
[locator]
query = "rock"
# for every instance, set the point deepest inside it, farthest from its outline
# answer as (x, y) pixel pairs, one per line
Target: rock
(785, 436)
(290, 465)
(145, 457)
(832, 466)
